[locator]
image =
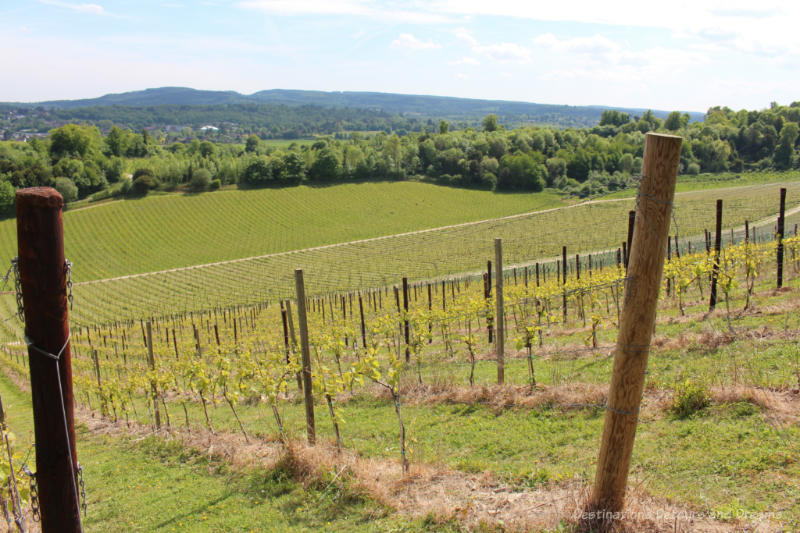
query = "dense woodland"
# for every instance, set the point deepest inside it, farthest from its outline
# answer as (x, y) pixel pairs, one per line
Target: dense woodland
(79, 161)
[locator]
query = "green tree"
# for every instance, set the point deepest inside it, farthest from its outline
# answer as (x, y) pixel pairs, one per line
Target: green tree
(72, 139)
(444, 127)
(490, 123)
(251, 145)
(67, 189)
(6, 197)
(520, 172)
(674, 121)
(784, 154)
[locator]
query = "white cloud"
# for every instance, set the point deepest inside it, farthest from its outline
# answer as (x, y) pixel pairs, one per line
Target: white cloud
(505, 52)
(466, 61)
(465, 35)
(408, 41)
(345, 7)
(769, 28)
(94, 9)
(462, 76)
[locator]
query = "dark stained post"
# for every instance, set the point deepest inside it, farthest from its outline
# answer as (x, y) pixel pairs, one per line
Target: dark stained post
(363, 326)
(405, 318)
(631, 225)
(308, 394)
(659, 173)
(712, 302)
(779, 236)
(43, 279)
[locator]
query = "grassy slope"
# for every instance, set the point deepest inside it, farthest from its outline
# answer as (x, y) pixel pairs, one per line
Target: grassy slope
(153, 485)
(169, 231)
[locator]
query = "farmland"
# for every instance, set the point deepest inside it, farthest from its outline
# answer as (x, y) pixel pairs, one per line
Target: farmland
(223, 374)
(243, 246)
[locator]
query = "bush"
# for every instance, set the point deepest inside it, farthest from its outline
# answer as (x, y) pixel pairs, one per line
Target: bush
(690, 398)
(67, 189)
(201, 180)
(215, 184)
(142, 185)
(693, 169)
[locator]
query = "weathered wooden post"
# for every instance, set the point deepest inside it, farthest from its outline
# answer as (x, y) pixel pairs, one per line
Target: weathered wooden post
(499, 320)
(645, 268)
(308, 396)
(779, 236)
(151, 362)
(43, 281)
(406, 334)
(712, 302)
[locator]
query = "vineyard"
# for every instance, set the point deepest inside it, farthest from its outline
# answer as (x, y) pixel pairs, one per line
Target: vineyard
(401, 340)
(371, 262)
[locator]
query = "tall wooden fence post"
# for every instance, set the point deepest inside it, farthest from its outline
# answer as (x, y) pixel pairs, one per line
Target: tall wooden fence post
(779, 236)
(43, 278)
(499, 320)
(308, 396)
(712, 302)
(645, 268)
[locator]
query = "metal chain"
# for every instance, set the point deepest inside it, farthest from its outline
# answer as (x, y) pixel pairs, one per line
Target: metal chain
(18, 285)
(35, 514)
(83, 489)
(68, 271)
(18, 288)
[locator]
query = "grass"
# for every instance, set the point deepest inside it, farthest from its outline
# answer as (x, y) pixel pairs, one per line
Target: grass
(156, 485)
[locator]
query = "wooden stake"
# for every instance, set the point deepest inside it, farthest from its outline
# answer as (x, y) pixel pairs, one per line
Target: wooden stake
(712, 302)
(659, 173)
(779, 236)
(308, 397)
(499, 319)
(42, 273)
(151, 361)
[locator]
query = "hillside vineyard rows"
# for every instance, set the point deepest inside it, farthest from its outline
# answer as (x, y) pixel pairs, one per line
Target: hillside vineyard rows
(359, 265)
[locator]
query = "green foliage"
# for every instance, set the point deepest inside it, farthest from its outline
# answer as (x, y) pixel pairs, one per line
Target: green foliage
(690, 397)
(6, 197)
(67, 189)
(490, 123)
(201, 180)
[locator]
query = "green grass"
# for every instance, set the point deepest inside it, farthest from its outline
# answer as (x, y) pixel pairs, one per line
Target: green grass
(157, 485)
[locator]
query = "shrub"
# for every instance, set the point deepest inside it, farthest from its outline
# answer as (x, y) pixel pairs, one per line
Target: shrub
(67, 189)
(201, 180)
(693, 169)
(690, 398)
(215, 184)
(142, 185)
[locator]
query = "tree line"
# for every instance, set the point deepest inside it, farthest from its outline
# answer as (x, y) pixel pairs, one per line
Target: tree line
(81, 162)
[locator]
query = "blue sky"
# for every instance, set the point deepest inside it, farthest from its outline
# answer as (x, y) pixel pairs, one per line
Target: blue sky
(686, 55)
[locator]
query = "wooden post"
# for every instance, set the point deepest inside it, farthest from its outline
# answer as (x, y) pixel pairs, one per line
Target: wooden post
(43, 279)
(405, 318)
(712, 302)
(151, 361)
(363, 326)
(499, 320)
(308, 396)
(659, 173)
(629, 241)
(779, 236)
(564, 281)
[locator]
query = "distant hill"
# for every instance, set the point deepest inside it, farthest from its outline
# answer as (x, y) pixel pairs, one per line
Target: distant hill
(289, 113)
